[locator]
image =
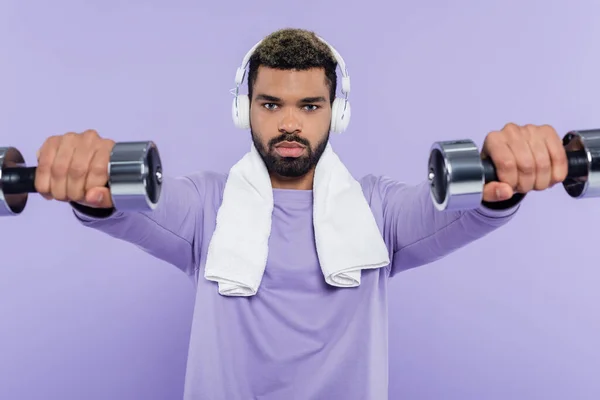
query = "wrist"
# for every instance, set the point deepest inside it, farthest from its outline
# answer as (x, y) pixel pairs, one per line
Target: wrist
(502, 208)
(504, 205)
(92, 212)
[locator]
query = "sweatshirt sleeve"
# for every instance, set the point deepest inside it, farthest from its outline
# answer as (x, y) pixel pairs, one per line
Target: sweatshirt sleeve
(419, 234)
(168, 232)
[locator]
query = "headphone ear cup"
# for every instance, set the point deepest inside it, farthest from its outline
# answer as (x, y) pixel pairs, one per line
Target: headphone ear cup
(240, 111)
(340, 115)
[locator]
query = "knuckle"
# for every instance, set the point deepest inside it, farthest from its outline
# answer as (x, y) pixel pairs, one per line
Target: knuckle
(548, 128)
(77, 170)
(43, 173)
(41, 186)
(526, 181)
(560, 172)
(75, 193)
(550, 133)
(44, 164)
(59, 170)
(99, 169)
(516, 135)
(560, 176)
(524, 188)
(527, 167)
(70, 136)
(510, 126)
(513, 129)
(90, 135)
(91, 132)
(108, 144)
(50, 143)
(58, 192)
(561, 155)
(492, 140)
(493, 136)
(506, 164)
(543, 166)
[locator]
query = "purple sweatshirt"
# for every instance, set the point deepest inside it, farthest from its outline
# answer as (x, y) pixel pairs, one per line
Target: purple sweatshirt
(298, 338)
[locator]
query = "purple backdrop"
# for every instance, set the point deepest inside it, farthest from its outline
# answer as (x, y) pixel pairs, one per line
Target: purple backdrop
(513, 316)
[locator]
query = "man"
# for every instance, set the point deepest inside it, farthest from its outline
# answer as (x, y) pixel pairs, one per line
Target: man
(297, 336)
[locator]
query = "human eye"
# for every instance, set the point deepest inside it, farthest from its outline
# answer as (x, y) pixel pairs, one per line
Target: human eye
(269, 106)
(311, 107)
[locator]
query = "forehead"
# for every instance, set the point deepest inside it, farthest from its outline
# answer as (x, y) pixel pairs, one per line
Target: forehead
(291, 83)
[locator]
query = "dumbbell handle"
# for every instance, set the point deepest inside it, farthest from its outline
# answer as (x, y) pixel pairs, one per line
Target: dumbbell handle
(578, 166)
(17, 180)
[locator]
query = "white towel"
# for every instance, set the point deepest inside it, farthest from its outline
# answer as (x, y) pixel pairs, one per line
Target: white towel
(347, 237)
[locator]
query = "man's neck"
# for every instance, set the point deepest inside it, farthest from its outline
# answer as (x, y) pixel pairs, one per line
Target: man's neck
(302, 183)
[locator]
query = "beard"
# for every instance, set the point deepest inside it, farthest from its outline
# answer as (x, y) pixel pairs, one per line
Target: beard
(289, 167)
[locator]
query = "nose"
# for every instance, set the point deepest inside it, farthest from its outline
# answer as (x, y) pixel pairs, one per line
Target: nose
(290, 122)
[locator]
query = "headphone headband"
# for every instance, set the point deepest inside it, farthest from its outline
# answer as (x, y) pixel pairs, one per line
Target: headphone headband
(241, 71)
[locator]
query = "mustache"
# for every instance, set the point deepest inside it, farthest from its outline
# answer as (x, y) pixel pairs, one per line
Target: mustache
(288, 137)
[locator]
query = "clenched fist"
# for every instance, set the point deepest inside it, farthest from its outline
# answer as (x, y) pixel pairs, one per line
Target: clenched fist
(526, 158)
(74, 167)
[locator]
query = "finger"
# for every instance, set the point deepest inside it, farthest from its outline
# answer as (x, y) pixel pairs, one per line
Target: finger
(497, 191)
(558, 156)
(60, 167)
(46, 155)
(98, 197)
(98, 167)
(79, 166)
(97, 176)
(497, 149)
(542, 162)
(78, 169)
(525, 161)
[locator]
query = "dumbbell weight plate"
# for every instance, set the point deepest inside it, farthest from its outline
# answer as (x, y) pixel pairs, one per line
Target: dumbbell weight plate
(135, 176)
(456, 175)
(587, 142)
(11, 204)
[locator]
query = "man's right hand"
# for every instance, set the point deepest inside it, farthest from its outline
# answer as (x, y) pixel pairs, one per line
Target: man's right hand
(74, 167)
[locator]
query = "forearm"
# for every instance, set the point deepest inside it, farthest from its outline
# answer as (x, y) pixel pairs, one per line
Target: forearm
(168, 232)
(422, 234)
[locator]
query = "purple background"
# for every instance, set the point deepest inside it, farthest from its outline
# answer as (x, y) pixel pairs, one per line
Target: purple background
(513, 316)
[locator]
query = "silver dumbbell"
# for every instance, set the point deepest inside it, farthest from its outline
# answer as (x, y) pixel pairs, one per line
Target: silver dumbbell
(134, 171)
(457, 173)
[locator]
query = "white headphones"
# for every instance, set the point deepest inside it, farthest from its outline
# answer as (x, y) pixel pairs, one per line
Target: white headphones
(340, 117)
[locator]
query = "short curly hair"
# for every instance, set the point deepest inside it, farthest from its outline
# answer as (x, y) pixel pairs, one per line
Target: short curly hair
(294, 49)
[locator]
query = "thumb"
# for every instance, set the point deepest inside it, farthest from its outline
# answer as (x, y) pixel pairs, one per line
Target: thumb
(497, 191)
(98, 197)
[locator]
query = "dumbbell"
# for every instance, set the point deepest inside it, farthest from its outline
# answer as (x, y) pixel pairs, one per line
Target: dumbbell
(457, 173)
(134, 173)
